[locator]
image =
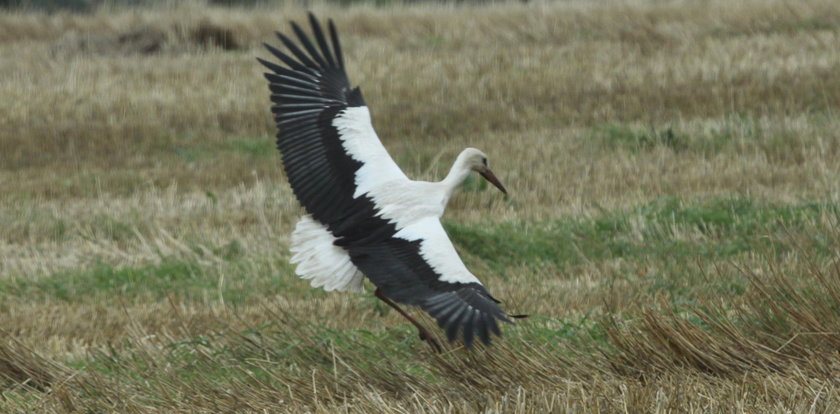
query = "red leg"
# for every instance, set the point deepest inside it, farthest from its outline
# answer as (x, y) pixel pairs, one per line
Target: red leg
(424, 334)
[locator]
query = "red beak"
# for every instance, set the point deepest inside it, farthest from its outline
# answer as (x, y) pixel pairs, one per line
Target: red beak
(489, 176)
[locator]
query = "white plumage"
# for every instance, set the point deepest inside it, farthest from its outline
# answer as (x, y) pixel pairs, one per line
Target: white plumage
(366, 217)
(437, 250)
(360, 141)
(319, 260)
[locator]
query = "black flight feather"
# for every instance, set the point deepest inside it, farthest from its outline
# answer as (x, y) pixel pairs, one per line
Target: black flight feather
(309, 92)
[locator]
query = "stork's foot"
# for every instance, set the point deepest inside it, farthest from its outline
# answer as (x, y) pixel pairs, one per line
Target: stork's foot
(426, 336)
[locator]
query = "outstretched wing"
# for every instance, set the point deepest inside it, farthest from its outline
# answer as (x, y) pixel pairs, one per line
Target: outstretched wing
(418, 265)
(331, 153)
(333, 159)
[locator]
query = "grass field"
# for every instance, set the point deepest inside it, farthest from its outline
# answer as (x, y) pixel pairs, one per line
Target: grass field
(673, 227)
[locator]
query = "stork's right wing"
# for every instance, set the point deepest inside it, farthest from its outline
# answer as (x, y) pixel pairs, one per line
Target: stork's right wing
(331, 153)
(419, 266)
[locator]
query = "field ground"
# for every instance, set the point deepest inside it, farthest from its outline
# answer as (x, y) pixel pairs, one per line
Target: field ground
(673, 227)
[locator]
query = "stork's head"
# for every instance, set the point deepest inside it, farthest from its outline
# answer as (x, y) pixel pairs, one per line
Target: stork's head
(477, 161)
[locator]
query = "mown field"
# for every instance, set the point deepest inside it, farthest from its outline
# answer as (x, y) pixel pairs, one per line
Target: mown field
(673, 227)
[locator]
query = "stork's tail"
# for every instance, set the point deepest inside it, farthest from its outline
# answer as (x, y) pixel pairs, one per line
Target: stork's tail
(319, 260)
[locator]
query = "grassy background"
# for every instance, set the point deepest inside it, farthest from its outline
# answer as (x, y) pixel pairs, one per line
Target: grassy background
(673, 226)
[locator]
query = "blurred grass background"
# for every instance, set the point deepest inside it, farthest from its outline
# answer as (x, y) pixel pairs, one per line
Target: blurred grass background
(672, 229)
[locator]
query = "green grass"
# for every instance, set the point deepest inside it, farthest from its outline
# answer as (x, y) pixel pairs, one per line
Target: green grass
(673, 233)
(739, 132)
(181, 278)
(171, 276)
(192, 149)
(665, 229)
(614, 136)
(255, 147)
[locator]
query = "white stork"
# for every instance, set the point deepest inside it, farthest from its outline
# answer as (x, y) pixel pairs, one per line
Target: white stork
(366, 218)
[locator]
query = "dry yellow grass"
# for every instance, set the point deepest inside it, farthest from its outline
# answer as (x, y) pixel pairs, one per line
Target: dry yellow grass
(674, 218)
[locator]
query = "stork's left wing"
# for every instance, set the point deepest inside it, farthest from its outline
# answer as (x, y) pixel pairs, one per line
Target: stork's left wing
(331, 153)
(419, 266)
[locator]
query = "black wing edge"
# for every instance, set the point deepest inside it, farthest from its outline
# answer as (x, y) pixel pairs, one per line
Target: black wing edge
(313, 74)
(469, 309)
(396, 267)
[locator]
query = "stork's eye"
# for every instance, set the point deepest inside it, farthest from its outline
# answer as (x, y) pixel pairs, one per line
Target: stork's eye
(484, 161)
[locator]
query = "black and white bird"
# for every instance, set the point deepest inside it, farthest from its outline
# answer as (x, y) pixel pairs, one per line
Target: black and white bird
(365, 217)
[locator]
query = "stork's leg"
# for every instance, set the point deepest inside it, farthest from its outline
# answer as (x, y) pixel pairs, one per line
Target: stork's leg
(424, 334)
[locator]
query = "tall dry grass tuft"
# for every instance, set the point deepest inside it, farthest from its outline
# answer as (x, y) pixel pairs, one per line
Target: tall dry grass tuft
(23, 367)
(786, 323)
(291, 365)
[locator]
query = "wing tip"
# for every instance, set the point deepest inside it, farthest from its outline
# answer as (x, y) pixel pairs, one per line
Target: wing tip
(267, 63)
(458, 317)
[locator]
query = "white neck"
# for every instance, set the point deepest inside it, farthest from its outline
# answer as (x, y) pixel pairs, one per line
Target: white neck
(457, 174)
